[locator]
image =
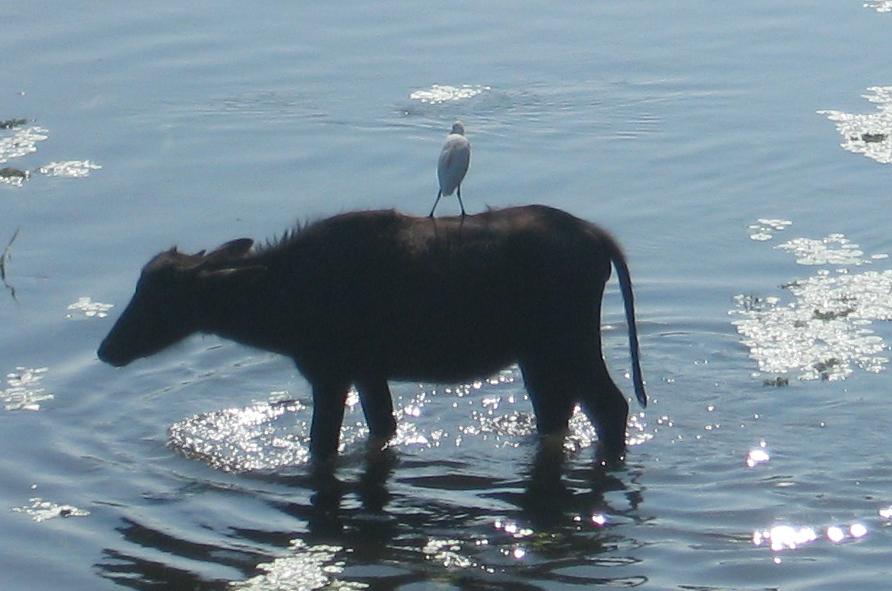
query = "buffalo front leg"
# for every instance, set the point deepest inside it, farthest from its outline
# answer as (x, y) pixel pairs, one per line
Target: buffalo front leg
(377, 406)
(328, 414)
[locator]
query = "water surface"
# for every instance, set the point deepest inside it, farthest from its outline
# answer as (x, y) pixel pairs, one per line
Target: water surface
(739, 152)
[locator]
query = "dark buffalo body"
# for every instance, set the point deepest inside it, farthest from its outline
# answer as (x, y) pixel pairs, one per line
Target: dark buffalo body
(366, 297)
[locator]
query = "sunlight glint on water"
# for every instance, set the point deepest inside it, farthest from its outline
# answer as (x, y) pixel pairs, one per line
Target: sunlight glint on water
(825, 330)
(871, 134)
(691, 135)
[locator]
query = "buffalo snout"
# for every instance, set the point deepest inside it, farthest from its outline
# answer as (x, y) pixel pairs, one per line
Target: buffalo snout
(112, 355)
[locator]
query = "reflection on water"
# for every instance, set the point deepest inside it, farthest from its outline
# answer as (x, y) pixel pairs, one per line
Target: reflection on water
(23, 391)
(765, 228)
(825, 330)
(85, 307)
(41, 510)
(206, 130)
(265, 435)
(879, 5)
(69, 168)
(304, 569)
(384, 528)
(787, 537)
(156, 559)
(442, 93)
(447, 553)
(869, 134)
(633, 113)
(442, 100)
(834, 249)
(23, 142)
(433, 515)
(758, 455)
(274, 434)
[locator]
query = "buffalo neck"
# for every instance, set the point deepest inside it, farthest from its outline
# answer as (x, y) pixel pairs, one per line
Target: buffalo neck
(252, 308)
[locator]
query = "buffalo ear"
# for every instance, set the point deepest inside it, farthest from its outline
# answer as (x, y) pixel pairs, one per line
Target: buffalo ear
(213, 266)
(233, 249)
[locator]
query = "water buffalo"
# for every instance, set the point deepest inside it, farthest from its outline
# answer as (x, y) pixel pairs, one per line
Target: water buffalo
(366, 297)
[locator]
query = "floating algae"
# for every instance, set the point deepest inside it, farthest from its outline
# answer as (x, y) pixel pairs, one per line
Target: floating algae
(879, 5)
(11, 123)
(824, 332)
(22, 392)
(85, 307)
(23, 142)
(69, 168)
(305, 568)
(41, 510)
(868, 134)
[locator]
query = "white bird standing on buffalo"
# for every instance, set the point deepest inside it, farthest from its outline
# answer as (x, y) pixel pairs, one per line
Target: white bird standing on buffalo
(453, 165)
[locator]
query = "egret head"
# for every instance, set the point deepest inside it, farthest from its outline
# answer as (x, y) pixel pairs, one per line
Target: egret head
(458, 127)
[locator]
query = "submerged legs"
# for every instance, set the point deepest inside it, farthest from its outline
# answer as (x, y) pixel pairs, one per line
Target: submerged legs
(607, 409)
(551, 395)
(561, 371)
(328, 414)
(377, 406)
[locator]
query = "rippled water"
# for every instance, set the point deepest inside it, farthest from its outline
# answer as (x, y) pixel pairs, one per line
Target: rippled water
(723, 144)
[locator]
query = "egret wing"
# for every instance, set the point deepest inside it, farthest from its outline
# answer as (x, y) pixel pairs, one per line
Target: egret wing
(453, 164)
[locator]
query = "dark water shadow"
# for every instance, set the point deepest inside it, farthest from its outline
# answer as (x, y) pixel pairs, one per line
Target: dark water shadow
(376, 515)
(325, 515)
(547, 499)
(137, 571)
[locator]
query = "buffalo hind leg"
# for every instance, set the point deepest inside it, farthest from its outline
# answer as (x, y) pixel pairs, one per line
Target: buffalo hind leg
(550, 394)
(555, 388)
(377, 406)
(328, 414)
(606, 408)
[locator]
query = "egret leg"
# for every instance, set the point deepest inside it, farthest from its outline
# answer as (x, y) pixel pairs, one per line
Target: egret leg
(439, 194)
(458, 192)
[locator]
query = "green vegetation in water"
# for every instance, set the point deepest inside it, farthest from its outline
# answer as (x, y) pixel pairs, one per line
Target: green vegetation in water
(13, 173)
(824, 367)
(10, 123)
(754, 303)
(831, 314)
(4, 257)
(822, 332)
(873, 138)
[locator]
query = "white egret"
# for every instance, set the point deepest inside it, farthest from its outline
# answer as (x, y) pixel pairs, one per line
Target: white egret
(453, 165)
